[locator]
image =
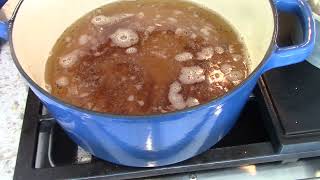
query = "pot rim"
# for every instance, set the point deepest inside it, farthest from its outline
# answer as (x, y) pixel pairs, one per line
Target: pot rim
(140, 117)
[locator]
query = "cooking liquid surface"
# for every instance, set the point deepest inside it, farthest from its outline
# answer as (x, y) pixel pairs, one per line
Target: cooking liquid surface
(146, 57)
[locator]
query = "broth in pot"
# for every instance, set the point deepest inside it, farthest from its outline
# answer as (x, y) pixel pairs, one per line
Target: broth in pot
(146, 57)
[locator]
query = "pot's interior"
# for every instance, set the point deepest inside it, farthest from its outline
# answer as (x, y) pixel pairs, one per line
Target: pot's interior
(39, 23)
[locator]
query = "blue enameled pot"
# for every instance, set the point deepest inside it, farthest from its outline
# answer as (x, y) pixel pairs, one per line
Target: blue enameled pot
(157, 140)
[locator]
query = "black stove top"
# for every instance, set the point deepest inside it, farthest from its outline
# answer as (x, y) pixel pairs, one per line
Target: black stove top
(281, 122)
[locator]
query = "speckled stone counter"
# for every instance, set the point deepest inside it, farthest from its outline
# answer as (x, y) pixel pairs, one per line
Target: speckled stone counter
(13, 94)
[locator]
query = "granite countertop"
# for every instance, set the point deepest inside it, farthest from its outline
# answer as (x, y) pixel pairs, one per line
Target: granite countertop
(13, 93)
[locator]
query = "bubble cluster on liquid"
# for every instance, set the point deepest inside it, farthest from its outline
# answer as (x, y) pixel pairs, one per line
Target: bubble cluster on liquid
(142, 61)
(192, 75)
(205, 53)
(185, 56)
(124, 38)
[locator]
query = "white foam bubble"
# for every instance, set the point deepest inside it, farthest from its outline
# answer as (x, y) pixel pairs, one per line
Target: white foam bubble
(185, 56)
(150, 29)
(131, 98)
(193, 36)
(102, 20)
(235, 76)
(192, 75)
(219, 50)
(70, 59)
(123, 16)
(236, 57)
(205, 53)
(124, 38)
(231, 49)
(138, 86)
(85, 94)
(174, 97)
(213, 65)
(140, 15)
(68, 39)
(96, 54)
(205, 31)
(84, 39)
(236, 83)
(99, 20)
(159, 54)
(123, 78)
(177, 12)
(62, 81)
(162, 110)
(141, 103)
(219, 86)
(216, 76)
(175, 87)
(154, 109)
(48, 87)
(182, 32)
(89, 105)
(226, 68)
(73, 90)
(191, 102)
(131, 50)
(177, 101)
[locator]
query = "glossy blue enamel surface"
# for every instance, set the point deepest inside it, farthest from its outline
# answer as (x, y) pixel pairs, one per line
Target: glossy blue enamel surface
(149, 141)
(152, 141)
(2, 2)
(3, 25)
(297, 53)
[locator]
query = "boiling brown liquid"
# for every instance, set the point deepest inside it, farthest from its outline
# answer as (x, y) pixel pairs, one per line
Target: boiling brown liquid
(89, 69)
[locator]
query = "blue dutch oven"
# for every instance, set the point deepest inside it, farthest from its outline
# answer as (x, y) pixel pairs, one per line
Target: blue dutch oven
(156, 140)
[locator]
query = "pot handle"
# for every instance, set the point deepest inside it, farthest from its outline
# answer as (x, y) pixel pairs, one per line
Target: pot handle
(297, 53)
(3, 25)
